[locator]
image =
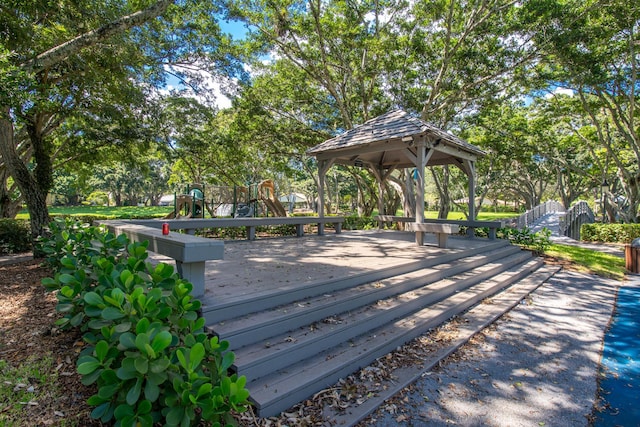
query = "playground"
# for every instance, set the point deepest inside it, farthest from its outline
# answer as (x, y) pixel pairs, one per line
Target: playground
(200, 200)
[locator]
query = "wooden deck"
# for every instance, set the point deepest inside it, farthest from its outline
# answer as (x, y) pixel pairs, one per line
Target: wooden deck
(285, 264)
(300, 313)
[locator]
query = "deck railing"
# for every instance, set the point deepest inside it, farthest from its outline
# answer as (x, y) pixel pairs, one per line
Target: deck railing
(532, 215)
(578, 214)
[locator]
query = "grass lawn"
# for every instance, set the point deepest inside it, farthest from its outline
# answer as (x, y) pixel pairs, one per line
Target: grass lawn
(110, 212)
(123, 212)
(482, 216)
(589, 261)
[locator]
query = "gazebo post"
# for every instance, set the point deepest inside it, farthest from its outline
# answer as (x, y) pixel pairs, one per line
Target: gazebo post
(421, 163)
(470, 169)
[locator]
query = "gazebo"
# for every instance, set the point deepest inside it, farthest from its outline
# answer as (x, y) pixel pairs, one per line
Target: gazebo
(397, 140)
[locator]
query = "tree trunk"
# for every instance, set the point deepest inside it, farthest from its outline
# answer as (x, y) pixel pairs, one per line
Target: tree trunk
(442, 183)
(9, 208)
(34, 195)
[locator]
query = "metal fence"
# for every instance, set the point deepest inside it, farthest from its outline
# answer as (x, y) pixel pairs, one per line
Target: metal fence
(532, 215)
(578, 214)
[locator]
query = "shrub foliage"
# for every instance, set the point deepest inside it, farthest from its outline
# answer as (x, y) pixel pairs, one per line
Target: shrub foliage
(146, 350)
(609, 233)
(15, 236)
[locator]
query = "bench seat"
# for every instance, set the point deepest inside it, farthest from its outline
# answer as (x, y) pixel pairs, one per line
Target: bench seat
(441, 231)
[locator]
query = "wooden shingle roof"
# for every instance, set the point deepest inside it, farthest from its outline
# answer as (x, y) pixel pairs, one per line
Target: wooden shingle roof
(374, 140)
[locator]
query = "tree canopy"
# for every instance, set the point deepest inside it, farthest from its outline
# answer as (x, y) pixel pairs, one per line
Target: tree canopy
(547, 87)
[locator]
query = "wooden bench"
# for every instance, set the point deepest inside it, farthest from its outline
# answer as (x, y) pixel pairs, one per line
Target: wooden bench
(189, 252)
(441, 231)
(191, 225)
(471, 225)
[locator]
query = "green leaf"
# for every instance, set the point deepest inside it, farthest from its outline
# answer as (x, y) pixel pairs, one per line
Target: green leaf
(102, 412)
(182, 359)
(49, 283)
(102, 348)
(149, 351)
(142, 326)
(128, 340)
(159, 365)
(127, 369)
(196, 355)
(144, 407)
(123, 327)
(67, 291)
(123, 411)
(93, 298)
(77, 319)
(161, 341)
(92, 377)
(95, 400)
(175, 416)
(204, 389)
(151, 391)
(106, 391)
(141, 364)
(112, 313)
(99, 323)
(88, 367)
(67, 279)
(142, 339)
(93, 311)
(134, 392)
(227, 360)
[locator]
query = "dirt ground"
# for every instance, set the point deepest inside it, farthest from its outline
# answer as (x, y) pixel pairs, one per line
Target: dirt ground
(27, 316)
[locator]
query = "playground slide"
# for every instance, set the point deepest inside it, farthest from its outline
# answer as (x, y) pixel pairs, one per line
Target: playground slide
(274, 206)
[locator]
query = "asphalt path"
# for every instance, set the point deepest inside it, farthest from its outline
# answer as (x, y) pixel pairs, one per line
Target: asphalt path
(536, 366)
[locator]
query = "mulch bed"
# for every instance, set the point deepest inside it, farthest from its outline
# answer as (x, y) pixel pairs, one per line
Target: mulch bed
(27, 316)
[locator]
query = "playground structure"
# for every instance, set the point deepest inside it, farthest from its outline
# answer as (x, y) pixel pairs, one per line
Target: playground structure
(227, 201)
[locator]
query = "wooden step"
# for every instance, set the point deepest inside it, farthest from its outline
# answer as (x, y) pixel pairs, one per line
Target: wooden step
(290, 347)
(282, 389)
(216, 311)
(261, 326)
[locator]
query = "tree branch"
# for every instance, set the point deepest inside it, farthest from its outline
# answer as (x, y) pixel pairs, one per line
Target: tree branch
(61, 52)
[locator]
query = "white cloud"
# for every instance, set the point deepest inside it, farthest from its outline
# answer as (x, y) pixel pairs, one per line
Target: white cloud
(560, 91)
(209, 88)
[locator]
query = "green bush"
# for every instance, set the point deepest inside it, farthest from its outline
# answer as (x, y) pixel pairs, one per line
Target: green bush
(355, 222)
(147, 351)
(609, 233)
(15, 236)
(538, 242)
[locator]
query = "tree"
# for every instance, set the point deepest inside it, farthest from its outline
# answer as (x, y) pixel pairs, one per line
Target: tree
(517, 162)
(45, 67)
(61, 59)
(592, 48)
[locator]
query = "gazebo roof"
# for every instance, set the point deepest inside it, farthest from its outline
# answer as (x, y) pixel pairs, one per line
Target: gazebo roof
(384, 140)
